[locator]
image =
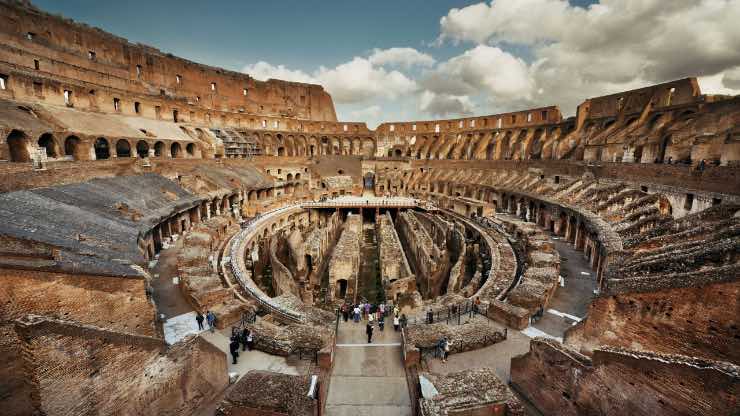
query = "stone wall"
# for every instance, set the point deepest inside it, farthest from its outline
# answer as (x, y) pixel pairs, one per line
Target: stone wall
(74, 369)
(393, 262)
(345, 260)
(265, 393)
(691, 321)
(620, 382)
(430, 263)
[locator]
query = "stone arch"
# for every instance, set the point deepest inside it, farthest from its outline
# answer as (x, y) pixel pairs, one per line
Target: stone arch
(281, 151)
(123, 148)
(534, 150)
(158, 149)
(175, 150)
(19, 146)
(517, 147)
(47, 142)
(102, 148)
(142, 149)
(504, 150)
(368, 147)
(190, 149)
(72, 147)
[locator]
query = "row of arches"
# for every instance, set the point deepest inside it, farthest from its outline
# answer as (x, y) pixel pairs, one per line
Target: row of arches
(279, 145)
(21, 148)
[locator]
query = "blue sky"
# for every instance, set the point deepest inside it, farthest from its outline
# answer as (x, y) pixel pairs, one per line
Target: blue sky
(419, 59)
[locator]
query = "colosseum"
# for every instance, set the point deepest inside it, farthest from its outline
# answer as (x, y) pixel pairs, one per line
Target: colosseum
(583, 265)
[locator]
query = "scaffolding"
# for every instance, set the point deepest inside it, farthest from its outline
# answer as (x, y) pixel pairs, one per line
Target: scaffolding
(238, 144)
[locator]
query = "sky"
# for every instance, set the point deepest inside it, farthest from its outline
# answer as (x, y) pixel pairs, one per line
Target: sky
(425, 59)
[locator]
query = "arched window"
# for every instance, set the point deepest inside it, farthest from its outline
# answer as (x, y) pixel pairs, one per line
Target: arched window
(190, 149)
(102, 149)
(175, 150)
(142, 149)
(158, 149)
(71, 147)
(18, 146)
(123, 148)
(47, 142)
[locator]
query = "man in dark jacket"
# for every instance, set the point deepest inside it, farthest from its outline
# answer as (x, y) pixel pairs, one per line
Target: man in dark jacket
(369, 332)
(234, 348)
(199, 317)
(243, 337)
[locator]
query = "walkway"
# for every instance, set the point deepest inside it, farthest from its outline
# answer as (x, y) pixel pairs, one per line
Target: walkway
(368, 379)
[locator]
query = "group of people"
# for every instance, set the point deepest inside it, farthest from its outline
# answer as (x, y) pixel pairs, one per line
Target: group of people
(210, 318)
(366, 311)
(243, 337)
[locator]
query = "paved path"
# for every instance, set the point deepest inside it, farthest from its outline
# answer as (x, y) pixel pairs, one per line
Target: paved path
(368, 379)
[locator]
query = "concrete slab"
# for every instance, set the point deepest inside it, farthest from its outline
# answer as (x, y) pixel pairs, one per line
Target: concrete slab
(180, 326)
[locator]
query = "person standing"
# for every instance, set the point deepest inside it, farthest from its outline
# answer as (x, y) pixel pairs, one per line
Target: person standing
(199, 318)
(357, 314)
(234, 349)
(250, 341)
(243, 338)
(396, 323)
(447, 344)
(403, 320)
(395, 310)
(211, 318)
(345, 312)
(367, 309)
(382, 309)
(369, 332)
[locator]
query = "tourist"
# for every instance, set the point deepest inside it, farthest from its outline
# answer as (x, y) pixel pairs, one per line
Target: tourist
(199, 318)
(244, 336)
(250, 341)
(370, 318)
(396, 323)
(476, 305)
(357, 314)
(447, 344)
(702, 165)
(369, 332)
(439, 350)
(367, 309)
(403, 320)
(234, 348)
(345, 311)
(381, 323)
(396, 310)
(362, 309)
(430, 316)
(211, 319)
(382, 309)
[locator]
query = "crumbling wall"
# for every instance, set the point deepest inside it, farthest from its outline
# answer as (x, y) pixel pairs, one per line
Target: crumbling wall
(393, 262)
(78, 369)
(693, 321)
(430, 263)
(621, 382)
(265, 393)
(345, 260)
(282, 279)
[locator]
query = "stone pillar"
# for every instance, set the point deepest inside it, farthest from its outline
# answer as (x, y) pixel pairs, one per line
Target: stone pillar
(208, 210)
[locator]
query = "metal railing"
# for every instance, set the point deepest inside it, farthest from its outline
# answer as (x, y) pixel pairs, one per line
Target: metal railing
(452, 314)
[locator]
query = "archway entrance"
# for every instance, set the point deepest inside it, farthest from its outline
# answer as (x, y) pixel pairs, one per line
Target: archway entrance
(18, 146)
(102, 150)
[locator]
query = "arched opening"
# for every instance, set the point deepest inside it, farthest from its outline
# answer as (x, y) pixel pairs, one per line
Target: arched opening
(298, 176)
(18, 146)
(47, 142)
(313, 150)
(158, 149)
(142, 149)
(71, 147)
(190, 149)
(290, 177)
(663, 146)
(281, 151)
(123, 148)
(175, 150)
(342, 288)
(102, 149)
(398, 153)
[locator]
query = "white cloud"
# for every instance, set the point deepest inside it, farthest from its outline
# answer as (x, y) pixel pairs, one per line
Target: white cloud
(404, 57)
(371, 112)
(264, 71)
(358, 80)
(731, 79)
(443, 105)
(483, 69)
(352, 82)
(610, 46)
